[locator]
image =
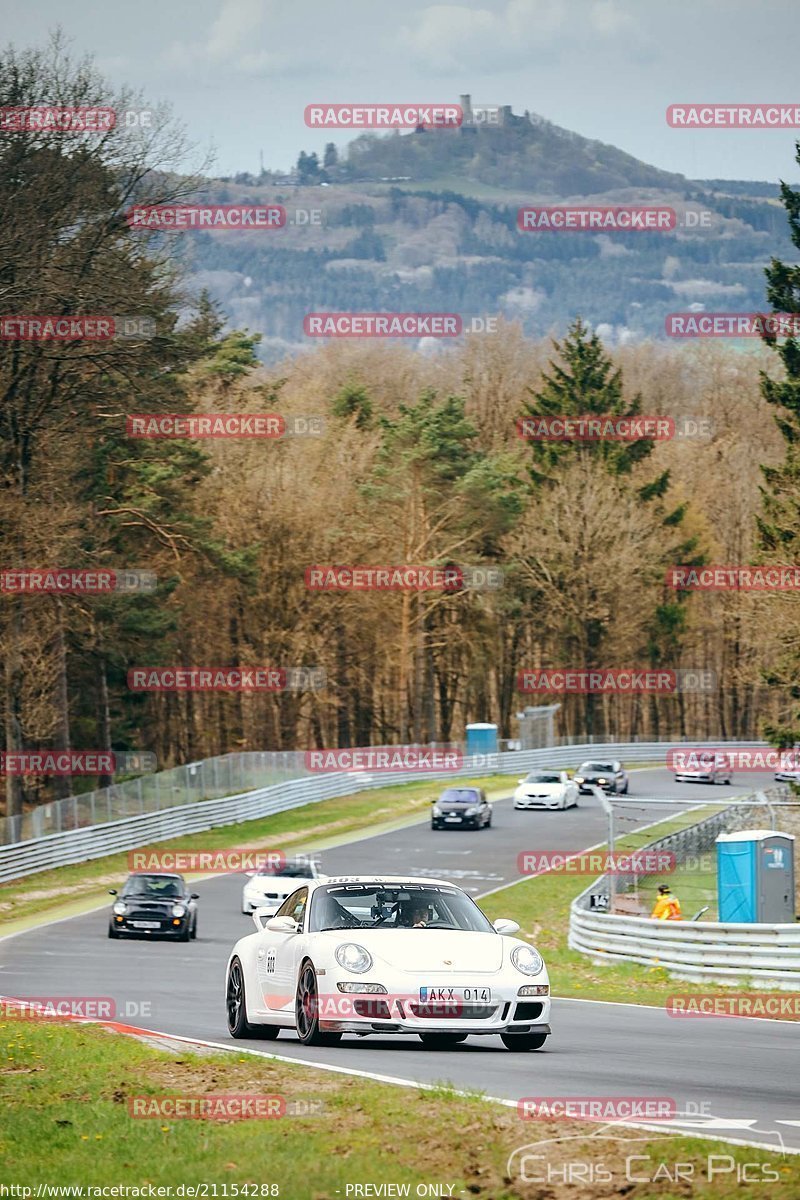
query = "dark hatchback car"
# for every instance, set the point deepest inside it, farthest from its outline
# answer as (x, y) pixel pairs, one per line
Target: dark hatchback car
(154, 905)
(461, 808)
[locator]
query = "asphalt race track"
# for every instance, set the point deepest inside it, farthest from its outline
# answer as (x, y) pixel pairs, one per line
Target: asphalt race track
(740, 1075)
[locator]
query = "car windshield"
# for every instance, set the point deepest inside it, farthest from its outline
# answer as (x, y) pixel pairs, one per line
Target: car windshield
(154, 886)
(460, 796)
(543, 777)
(603, 767)
(290, 870)
(395, 906)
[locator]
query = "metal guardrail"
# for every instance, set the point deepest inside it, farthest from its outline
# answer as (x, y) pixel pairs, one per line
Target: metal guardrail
(707, 951)
(142, 828)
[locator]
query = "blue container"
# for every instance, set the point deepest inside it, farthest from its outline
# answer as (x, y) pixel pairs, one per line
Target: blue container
(481, 739)
(755, 876)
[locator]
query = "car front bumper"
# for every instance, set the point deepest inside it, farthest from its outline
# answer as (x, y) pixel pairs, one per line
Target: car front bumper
(379, 1014)
(166, 927)
(457, 822)
(539, 802)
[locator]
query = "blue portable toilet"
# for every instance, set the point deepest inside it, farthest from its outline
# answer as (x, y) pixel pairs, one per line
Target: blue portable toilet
(481, 738)
(755, 876)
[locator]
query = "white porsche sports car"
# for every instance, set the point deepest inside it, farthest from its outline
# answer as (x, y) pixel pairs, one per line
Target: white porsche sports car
(386, 955)
(546, 789)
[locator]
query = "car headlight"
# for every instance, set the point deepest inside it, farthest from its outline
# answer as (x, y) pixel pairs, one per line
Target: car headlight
(472, 811)
(120, 908)
(353, 958)
(602, 779)
(437, 812)
(527, 960)
(579, 779)
(178, 910)
(534, 989)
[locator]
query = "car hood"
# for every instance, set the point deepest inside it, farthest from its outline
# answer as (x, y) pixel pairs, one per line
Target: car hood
(420, 951)
(541, 789)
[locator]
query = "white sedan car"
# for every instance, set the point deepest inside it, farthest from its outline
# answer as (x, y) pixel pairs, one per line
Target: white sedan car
(546, 789)
(391, 955)
(269, 888)
(708, 768)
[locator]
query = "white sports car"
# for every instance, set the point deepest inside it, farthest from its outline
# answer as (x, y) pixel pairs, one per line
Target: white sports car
(546, 789)
(267, 889)
(386, 955)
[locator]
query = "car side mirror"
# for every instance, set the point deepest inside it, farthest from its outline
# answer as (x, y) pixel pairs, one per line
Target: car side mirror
(194, 896)
(112, 891)
(505, 927)
(282, 925)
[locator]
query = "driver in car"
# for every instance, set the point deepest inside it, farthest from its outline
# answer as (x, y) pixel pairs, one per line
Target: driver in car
(415, 915)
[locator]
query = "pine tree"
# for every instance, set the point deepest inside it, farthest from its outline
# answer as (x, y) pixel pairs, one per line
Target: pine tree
(779, 523)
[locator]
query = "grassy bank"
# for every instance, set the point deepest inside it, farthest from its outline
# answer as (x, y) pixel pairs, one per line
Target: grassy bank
(67, 1096)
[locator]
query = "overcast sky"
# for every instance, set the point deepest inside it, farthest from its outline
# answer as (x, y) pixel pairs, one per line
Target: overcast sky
(239, 73)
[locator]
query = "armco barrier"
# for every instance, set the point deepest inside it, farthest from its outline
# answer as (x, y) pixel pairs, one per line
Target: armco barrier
(96, 840)
(707, 951)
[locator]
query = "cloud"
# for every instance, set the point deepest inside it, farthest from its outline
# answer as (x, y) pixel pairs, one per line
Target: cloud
(233, 41)
(453, 37)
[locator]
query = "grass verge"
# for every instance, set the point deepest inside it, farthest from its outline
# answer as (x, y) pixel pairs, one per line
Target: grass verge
(66, 1093)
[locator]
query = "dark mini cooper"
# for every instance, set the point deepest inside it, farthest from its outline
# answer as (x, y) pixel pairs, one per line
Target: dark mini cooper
(461, 808)
(158, 905)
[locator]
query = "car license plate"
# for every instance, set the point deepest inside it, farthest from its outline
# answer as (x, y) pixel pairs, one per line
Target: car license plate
(472, 995)
(453, 818)
(146, 924)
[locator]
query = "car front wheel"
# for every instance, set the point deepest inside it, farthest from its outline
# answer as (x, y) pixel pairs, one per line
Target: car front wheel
(307, 1011)
(523, 1041)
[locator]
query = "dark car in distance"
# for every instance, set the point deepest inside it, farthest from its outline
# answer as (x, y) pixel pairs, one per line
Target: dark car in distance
(461, 808)
(154, 905)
